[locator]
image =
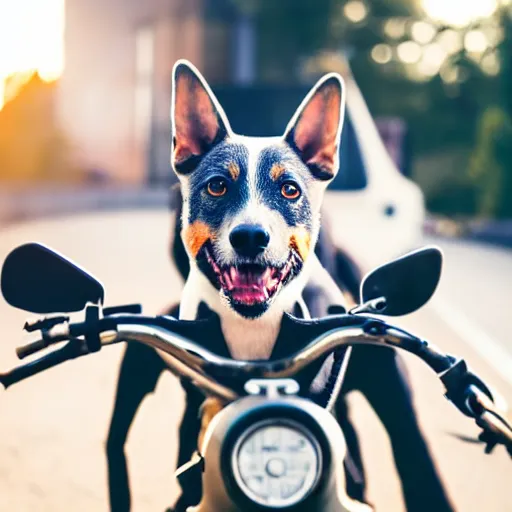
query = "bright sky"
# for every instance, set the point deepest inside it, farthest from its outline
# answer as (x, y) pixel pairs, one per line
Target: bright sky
(460, 12)
(31, 38)
(31, 32)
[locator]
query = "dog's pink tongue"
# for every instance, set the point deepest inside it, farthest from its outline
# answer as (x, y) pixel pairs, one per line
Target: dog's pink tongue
(249, 296)
(249, 288)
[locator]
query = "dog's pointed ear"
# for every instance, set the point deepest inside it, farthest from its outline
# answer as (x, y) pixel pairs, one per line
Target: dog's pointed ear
(315, 130)
(198, 121)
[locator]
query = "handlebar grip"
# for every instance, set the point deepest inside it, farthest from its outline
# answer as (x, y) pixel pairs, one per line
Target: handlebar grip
(71, 350)
(30, 348)
(496, 427)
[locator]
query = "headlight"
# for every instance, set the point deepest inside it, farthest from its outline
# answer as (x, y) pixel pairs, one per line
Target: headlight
(276, 463)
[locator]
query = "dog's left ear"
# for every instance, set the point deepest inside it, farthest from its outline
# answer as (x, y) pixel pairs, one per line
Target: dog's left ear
(315, 130)
(198, 121)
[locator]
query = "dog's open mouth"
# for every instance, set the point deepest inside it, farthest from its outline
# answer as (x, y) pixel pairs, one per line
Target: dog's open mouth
(250, 284)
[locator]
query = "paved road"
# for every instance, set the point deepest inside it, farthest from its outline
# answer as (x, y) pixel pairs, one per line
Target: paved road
(52, 428)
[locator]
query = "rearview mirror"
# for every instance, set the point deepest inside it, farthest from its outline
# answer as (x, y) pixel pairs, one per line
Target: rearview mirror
(405, 284)
(38, 279)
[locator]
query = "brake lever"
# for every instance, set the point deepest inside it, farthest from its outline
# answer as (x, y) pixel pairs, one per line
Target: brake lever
(473, 398)
(496, 428)
(490, 438)
(44, 323)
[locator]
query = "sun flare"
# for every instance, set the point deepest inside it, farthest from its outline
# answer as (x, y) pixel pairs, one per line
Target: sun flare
(31, 39)
(459, 13)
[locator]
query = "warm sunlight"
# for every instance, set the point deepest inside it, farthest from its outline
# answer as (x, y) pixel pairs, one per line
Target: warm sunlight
(459, 12)
(31, 39)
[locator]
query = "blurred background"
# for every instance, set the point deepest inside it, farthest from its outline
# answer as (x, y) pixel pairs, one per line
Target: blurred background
(85, 89)
(85, 85)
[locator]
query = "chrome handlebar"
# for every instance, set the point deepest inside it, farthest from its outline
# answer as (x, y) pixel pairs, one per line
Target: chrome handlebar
(199, 365)
(193, 362)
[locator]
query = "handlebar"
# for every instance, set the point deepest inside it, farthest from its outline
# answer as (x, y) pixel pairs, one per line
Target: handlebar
(210, 371)
(199, 363)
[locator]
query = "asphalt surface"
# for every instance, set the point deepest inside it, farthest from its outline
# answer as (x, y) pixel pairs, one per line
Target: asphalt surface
(53, 427)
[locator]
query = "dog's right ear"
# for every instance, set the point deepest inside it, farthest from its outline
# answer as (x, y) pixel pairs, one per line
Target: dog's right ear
(198, 121)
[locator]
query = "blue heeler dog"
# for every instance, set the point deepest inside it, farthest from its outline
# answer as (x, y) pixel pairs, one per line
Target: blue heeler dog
(251, 207)
(249, 224)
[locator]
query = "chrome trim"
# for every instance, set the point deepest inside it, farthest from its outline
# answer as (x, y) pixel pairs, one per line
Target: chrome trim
(181, 366)
(192, 361)
(272, 388)
(276, 422)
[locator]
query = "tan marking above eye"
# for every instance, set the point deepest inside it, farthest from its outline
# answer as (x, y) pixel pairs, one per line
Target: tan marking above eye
(277, 171)
(196, 235)
(300, 241)
(234, 170)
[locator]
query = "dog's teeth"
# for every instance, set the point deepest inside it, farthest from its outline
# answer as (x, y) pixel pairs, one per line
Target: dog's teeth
(265, 293)
(233, 274)
(227, 279)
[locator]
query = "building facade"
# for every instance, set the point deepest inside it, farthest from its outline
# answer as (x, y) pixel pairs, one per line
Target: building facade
(113, 99)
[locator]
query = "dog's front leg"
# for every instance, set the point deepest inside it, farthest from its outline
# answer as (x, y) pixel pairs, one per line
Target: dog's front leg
(143, 362)
(188, 435)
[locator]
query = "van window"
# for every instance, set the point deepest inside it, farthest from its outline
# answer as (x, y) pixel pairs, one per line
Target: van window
(352, 173)
(266, 110)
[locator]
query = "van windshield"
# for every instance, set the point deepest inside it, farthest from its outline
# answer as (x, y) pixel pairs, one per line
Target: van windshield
(264, 111)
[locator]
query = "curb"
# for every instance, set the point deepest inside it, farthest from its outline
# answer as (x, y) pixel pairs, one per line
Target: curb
(490, 232)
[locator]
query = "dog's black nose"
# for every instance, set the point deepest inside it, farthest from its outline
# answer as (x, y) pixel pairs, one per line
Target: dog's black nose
(249, 240)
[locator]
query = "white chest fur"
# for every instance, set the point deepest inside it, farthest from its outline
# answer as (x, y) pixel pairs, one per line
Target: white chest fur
(246, 338)
(251, 339)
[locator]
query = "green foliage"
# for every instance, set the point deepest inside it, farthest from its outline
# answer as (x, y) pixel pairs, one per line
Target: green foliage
(454, 197)
(289, 29)
(490, 167)
(293, 29)
(441, 114)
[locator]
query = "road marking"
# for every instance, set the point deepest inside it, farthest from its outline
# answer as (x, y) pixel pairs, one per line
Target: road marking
(487, 347)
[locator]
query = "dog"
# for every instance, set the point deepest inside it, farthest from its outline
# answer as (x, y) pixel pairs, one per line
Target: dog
(250, 221)
(251, 207)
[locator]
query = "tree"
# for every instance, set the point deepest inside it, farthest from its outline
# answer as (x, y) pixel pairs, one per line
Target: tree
(491, 162)
(442, 99)
(291, 30)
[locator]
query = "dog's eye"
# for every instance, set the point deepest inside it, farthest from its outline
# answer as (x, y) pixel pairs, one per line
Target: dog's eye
(290, 190)
(217, 187)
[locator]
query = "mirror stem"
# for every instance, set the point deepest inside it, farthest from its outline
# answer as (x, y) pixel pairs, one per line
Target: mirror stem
(375, 306)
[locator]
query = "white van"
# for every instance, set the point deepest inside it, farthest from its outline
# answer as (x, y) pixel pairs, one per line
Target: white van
(376, 213)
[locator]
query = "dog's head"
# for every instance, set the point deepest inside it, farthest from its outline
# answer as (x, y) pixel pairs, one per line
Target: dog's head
(251, 206)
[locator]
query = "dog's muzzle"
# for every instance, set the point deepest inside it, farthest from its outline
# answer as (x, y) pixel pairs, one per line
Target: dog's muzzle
(249, 287)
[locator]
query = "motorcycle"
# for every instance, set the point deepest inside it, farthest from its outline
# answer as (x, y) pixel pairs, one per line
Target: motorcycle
(269, 447)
